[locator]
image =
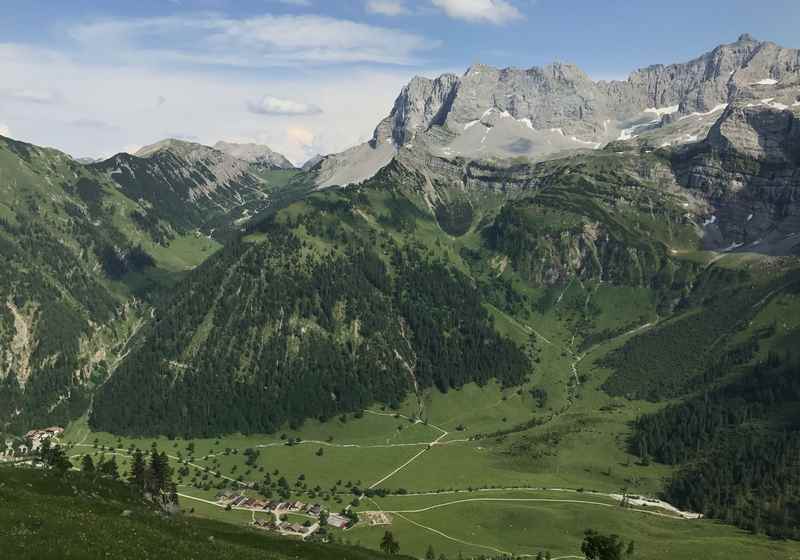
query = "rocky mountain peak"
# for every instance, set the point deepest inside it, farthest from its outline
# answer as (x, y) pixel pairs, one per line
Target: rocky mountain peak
(506, 113)
(419, 104)
(182, 148)
(255, 153)
(200, 170)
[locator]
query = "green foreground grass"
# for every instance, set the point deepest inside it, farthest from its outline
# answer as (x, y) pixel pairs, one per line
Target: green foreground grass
(44, 516)
(526, 528)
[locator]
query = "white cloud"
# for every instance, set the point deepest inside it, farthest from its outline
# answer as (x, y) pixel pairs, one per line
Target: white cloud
(203, 103)
(269, 105)
(89, 123)
(4, 130)
(301, 3)
(30, 95)
(387, 7)
(269, 40)
(491, 11)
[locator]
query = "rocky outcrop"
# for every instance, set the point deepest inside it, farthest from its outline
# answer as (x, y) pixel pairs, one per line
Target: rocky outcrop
(187, 184)
(749, 170)
(761, 133)
(421, 103)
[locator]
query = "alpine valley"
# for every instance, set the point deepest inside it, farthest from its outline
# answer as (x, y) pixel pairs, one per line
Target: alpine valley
(531, 304)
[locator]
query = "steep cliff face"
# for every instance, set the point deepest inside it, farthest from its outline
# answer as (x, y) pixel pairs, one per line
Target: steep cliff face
(556, 95)
(537, 112)
(764, 134)
(705, 82)
(749, 170)
(421, 103)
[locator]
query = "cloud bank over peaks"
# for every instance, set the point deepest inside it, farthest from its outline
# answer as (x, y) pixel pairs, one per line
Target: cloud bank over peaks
(268, 105)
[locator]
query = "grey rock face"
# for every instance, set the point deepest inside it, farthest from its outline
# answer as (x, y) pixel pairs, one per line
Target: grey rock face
(760, 133)
(312, 162)
(420, 104)
(535, 113)
(555, 96)
(748, 169)
(256, 154)
(562, 96)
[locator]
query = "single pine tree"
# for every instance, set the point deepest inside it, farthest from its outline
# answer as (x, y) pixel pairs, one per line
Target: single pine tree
(87, 464)
(137, 473)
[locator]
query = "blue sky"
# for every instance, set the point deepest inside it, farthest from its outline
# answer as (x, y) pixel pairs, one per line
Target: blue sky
(94, 77)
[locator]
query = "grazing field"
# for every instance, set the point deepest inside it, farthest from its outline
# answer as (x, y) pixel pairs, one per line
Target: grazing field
(526, 528)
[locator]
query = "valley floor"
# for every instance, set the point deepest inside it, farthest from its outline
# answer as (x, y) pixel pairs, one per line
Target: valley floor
(465, 472)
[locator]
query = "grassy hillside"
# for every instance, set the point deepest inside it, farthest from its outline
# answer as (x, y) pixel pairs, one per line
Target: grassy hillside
(77, 517)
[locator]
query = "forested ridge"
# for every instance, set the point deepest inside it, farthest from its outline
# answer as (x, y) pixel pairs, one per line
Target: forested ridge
(66, 238)
(739, 447)
(274, 331)
(50, 288)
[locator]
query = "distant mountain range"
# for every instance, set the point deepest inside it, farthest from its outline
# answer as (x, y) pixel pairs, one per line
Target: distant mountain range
(557, 109)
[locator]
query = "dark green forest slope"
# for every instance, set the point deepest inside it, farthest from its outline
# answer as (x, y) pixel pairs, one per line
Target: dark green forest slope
(739, 447)
(273, 331)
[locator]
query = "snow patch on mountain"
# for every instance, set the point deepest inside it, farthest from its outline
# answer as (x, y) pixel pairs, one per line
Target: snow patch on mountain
(661, 111)
(716, 109)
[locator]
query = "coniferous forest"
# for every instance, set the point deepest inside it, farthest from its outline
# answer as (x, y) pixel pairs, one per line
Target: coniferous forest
(739, 447)
(298, 335)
